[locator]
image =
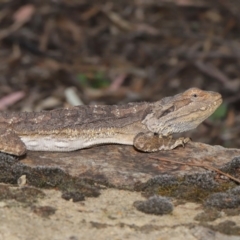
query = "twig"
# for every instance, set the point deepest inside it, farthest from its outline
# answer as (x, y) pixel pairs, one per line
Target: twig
(11, 99)
(200, 165)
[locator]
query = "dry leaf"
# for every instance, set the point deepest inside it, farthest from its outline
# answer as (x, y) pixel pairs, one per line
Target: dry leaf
(24, 14)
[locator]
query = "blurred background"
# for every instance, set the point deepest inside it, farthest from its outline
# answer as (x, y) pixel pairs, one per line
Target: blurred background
(61, 53)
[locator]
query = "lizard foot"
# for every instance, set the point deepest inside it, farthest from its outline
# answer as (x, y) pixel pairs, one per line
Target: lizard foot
(149, 142)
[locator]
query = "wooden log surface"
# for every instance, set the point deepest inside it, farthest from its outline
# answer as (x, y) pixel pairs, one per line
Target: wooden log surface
(122, 166)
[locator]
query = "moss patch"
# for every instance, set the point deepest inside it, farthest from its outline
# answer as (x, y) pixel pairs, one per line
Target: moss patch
(41, 177)
(44, 211)
(193, 188)
(24, 195)
(226, 227)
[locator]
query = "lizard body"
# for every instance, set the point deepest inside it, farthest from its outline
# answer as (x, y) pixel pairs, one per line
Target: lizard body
(147, 126)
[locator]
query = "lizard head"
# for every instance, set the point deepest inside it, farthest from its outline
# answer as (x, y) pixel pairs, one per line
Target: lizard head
(205, 101)
(182, 112)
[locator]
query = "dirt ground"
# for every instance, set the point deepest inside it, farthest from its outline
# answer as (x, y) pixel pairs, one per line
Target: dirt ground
(111, 216)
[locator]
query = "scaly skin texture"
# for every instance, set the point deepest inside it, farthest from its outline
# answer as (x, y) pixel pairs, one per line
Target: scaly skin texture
(147, 126)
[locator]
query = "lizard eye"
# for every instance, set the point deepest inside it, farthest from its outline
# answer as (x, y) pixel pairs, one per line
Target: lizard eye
(195, 95)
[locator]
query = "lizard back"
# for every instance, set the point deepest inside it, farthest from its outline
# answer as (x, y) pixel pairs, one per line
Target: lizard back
(81, 117)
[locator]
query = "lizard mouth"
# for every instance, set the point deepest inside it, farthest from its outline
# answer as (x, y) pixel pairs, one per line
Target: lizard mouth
(218, 101)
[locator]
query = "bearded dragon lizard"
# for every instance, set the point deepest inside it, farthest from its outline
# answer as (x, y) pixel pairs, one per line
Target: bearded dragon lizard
(147, 126)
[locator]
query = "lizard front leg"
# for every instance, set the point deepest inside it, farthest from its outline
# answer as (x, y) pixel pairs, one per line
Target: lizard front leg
(150, 142)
